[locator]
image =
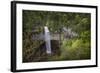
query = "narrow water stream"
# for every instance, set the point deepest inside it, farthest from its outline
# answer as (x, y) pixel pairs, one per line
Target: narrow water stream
(47, 40)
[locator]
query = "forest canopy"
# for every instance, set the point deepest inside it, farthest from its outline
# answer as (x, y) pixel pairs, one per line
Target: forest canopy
(76, 48)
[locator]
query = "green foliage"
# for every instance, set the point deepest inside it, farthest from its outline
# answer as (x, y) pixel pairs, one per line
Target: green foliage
(71, 49)
(75, 49)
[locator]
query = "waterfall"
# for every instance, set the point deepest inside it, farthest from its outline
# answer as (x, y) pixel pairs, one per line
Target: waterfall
(47, 40)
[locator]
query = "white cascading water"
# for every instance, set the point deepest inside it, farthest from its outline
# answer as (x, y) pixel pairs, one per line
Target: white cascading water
(47, 40)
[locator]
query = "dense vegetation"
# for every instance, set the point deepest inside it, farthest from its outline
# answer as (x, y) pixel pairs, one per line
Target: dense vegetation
(76, 48)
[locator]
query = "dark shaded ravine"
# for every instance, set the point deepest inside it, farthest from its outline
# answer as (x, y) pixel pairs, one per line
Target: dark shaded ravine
(40, 54)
